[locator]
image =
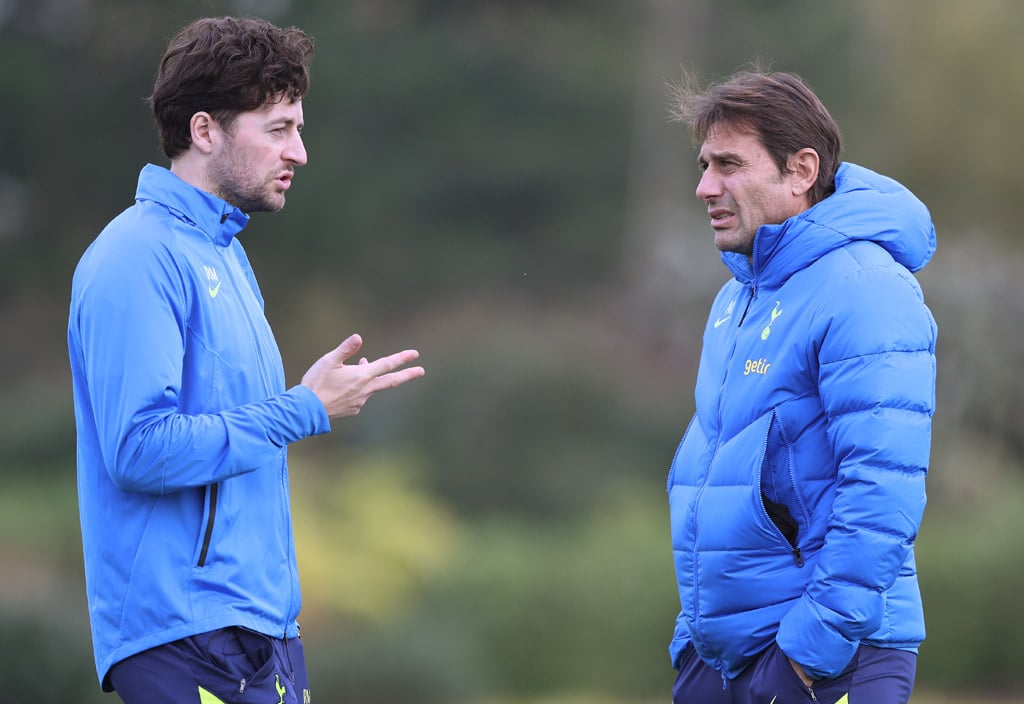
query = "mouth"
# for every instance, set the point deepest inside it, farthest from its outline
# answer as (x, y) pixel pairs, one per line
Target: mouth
(285, 180)
(720, 217)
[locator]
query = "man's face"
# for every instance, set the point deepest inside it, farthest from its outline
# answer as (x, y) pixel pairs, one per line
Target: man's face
(256, 160)
(743, 188)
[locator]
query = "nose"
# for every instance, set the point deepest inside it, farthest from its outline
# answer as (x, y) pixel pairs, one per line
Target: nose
(296, 150)
(709, 186)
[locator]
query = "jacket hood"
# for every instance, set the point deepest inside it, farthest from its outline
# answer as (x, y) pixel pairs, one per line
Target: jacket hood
(865, 206)
(220, 220)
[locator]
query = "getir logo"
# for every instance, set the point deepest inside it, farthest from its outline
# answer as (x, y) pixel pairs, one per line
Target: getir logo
(756, 366)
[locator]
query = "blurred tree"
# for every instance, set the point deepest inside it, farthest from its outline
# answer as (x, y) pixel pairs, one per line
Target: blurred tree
(453, 159)
(370, 537)
(946, 82)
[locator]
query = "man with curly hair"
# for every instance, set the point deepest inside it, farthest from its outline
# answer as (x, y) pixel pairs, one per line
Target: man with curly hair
(182, 411)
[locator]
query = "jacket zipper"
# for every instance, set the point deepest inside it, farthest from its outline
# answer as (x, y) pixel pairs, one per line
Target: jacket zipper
(208, 533)
(234, 265)
(248, 299)
(718, 443)
(215, 488)
(746, 308)
(675, 456)
(798, 555)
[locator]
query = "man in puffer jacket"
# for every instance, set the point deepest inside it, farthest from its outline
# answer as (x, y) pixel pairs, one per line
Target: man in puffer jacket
(798, 489)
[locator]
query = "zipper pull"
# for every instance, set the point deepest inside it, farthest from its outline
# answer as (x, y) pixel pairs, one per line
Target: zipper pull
(241, 686)
(798, 556)
(753, 295)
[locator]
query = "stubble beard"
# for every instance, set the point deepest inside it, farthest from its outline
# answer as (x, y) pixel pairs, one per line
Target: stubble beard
(249, 197)
(236, 184)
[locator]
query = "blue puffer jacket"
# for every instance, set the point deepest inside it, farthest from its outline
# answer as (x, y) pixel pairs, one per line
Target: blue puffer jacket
(183, 425)
(814, 400)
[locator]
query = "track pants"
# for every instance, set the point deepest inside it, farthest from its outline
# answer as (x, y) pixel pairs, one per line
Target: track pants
(874, 676)
(226, 666)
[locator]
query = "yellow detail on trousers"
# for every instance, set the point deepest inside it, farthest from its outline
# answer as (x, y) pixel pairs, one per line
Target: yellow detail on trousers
(208, 698)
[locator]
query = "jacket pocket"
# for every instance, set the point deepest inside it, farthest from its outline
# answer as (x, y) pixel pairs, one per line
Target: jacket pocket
(739, 560)
(209, 519)
(780, 496)
(783, 519)
(679, 449)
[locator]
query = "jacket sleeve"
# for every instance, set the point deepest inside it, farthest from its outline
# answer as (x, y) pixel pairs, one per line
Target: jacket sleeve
(877, 384)
(130, 322)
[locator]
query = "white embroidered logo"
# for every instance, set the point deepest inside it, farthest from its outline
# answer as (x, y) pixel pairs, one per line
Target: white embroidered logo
(213, 283)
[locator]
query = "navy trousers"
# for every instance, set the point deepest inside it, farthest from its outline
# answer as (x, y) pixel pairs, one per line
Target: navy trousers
(874, 676)
(227, 666)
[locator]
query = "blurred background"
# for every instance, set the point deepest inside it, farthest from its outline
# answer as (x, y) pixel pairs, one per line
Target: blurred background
(495, 182)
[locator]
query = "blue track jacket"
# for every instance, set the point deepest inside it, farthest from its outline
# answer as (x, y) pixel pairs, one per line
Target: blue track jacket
(183, 423)
(798, 488)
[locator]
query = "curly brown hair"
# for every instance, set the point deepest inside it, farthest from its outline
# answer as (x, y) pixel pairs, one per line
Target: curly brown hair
(226, 66)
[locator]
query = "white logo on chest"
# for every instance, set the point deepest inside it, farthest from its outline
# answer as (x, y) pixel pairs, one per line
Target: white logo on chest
(213, 283)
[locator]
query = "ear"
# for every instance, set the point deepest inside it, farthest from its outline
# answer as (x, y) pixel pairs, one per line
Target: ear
(204, 130)
(803, 170)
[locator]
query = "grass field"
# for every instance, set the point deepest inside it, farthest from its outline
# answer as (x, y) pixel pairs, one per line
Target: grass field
(921, 697)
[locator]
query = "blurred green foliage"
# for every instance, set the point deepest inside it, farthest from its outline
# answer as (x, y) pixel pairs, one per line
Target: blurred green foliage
(494, 182)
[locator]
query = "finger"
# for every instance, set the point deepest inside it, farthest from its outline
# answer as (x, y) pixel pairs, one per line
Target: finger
(363, 360)
(395, 379)
(392, 362)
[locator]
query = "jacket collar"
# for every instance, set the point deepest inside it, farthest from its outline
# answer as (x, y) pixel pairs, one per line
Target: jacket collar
(215, 217)
(864, 206)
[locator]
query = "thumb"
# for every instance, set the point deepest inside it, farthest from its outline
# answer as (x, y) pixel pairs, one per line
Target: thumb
(346, 349)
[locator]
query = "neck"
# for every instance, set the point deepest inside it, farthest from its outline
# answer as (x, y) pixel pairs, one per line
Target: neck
(190, 170)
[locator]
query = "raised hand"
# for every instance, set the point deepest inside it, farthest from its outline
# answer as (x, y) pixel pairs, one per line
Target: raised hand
(345, 388)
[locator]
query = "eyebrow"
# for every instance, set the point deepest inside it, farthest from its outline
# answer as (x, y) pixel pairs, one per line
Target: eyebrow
(725, 154)
(285, 122)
